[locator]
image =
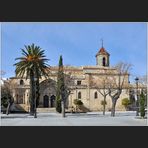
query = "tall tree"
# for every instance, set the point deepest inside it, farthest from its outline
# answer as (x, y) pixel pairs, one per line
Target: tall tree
(6, 96)
(102, 85)
(142, 104)
(68, 84)
(60, 92)
(103, 90)
(31, 65)
(118, 82)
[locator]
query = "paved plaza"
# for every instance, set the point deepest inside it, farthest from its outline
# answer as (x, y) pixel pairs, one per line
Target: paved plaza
(77, 119)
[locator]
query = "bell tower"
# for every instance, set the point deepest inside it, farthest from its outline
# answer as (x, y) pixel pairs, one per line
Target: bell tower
(102, 57)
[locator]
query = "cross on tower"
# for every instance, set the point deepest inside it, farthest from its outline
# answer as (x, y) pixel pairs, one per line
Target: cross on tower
(102, 42)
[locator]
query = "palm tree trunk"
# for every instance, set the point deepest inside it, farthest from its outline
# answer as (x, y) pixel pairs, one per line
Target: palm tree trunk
(37, 88)
(37, 93)
(32, 94)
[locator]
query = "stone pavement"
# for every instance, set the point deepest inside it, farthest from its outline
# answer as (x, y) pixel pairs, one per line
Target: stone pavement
(77, 119)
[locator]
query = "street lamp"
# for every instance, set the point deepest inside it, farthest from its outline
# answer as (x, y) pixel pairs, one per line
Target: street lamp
(137, 102)
(35, 115)
(76, 92)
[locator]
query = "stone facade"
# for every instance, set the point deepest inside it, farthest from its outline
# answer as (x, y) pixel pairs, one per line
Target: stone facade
(80, 81)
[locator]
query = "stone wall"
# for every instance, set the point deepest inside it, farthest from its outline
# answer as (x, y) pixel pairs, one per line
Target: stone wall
(86, 75)
(94, 104)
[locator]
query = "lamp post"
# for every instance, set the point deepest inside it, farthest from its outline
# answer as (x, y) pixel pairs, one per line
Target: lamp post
(137, 102)
(76, 93)
(35, 114)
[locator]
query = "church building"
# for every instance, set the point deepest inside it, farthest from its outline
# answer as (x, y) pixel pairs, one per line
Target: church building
(83, 82)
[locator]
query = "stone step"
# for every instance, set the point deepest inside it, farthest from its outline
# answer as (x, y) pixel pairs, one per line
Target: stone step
(20, 107)
(44, 110)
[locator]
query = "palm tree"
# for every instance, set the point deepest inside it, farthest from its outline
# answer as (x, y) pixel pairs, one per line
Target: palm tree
(32, 65)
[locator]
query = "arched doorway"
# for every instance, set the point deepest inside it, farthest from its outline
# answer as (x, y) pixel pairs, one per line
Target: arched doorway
(52, 101)
(46, 101)
(47, 87)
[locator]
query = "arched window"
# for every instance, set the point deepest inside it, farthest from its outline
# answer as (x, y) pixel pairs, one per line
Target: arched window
(95, 95)
(21, 82)
(104, 61)
(79, 95)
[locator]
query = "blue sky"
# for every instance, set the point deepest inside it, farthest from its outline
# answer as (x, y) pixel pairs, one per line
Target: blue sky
(77, 42)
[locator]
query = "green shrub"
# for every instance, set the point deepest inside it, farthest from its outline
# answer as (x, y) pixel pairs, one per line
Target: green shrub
(4, 102)
(75, 101)
(126, 102)
(103, 102)
(78, 102)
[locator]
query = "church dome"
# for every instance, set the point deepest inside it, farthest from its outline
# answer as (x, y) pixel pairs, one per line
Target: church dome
(102, 51)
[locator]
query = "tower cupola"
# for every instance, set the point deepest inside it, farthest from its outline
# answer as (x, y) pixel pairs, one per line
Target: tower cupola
(102, 57)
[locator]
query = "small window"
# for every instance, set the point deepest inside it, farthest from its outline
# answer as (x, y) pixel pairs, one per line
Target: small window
(104, 61)
(78, 82)
(79, 95)
(96, 95)
(21, 82)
